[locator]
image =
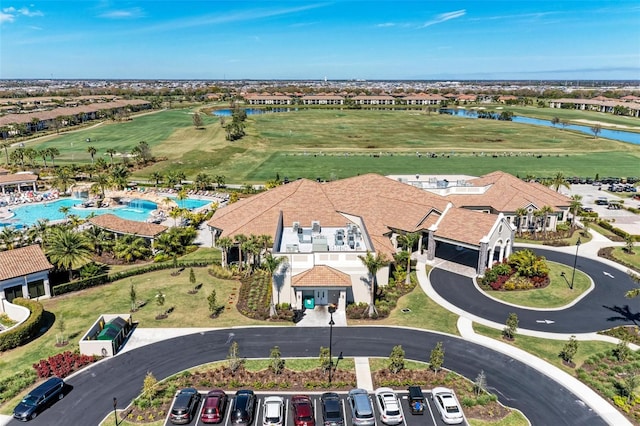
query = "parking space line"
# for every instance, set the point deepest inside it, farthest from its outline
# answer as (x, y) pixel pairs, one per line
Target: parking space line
(430, 410)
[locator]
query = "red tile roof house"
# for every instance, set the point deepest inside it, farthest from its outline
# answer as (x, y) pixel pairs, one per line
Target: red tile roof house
(322, 228)
(24, 272)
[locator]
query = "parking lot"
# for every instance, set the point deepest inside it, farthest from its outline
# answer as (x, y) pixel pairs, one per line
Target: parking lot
(429, 418)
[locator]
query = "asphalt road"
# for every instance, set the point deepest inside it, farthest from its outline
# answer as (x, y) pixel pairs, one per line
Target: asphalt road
(603, 308)
(517, 385)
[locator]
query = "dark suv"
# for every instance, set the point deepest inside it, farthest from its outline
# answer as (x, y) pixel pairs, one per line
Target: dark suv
(39, 399)
(331, 409)
(243, 407)
(185, 406)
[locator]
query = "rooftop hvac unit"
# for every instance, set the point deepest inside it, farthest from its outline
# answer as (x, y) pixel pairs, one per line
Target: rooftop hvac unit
(296, 226)
(315, 226)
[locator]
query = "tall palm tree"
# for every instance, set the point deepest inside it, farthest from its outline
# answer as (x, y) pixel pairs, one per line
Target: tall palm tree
(545, 212)
(408, 241)
(120, 177)
(30, 154)
(271, 265)
(36, 232)
(102, 241)
(67, 249)
(240, 240)
(65, 210)
(92, 152)
(5, 145)
(111, 153)
(520, 214)
(44, 153)
(558, 181)
(53, 153)
(17, 156)
(202, 181)
(157, 177)
(373, 263)
(576, 204)
(225, 243)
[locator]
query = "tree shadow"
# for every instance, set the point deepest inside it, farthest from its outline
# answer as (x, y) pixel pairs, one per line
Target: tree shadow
(624, 314)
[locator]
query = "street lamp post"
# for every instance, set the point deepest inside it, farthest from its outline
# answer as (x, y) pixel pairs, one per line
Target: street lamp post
(115, 414)
(575, 262)
(331, 324)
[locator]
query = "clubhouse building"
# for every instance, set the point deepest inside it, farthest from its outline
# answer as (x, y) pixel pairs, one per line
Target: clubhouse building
(323, 228)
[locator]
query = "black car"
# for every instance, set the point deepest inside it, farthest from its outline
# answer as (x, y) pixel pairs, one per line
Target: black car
(331, 409)
(39, 399)
(185, 406)
(243, 407)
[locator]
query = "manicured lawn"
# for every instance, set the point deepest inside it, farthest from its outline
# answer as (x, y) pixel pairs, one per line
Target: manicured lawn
(557, 294)
(424, 313)
(628, 258)
(548, 350)
(515, 418)
(315, 143)
(81, 309)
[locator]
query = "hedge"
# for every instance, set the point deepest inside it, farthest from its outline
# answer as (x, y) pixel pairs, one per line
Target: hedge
(22, 333)
(619, 232)
(108, 278)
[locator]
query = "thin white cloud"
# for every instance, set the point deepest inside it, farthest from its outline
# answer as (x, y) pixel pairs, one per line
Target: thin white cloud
(443, 17)
(529, 16)
(386, 25)
(134, 12)
(248, 15)
(10, 14)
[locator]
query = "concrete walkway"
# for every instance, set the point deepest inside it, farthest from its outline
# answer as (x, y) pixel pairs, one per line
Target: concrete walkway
(465, 326)
(363, 373)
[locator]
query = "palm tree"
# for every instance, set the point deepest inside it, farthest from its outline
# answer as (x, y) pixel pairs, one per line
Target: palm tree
(408, 241)
(240, 240)
(175, 213)
(545, 211)
(182, 195)
(17, 156)
(101, 181)
(225, 243)
(131, 247)
(202, 181)
(111, 153)
(157, 177)
(576, 204)
(53, 153)
(119, 177)
(5, 145)
(253, 247)
(36, 232)
(30, 154)
(68, 249)
(520, 214)
(271, 265)
(65, 210)
(373, 263)
(102, 241)
(8, 236)
(92, 152)
(559, 180)
(43, 153)
(63, 178)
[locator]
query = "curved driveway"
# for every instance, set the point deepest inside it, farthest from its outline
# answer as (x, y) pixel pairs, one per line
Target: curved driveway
(540, 398)
(603, 308)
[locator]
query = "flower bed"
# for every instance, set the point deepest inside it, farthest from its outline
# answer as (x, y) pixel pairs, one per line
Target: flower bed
(522, 271)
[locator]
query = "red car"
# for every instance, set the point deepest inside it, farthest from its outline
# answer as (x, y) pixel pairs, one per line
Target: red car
(214, 405)
(303, 414)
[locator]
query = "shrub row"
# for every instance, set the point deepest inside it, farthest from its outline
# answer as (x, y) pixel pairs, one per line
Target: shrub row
(619, 232)
(108, 278)
(13, 385)
(19, 335)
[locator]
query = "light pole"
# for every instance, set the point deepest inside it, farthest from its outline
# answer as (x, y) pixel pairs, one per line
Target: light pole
(331, 324)
(115, 414)
(575, 262)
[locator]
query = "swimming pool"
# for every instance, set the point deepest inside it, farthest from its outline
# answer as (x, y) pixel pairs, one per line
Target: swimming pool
(29, 214)
(191, 203)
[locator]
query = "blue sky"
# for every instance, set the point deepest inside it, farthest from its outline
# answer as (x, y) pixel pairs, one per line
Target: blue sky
(402, 39)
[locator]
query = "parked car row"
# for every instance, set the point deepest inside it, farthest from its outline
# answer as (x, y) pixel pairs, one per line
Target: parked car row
(357, 408)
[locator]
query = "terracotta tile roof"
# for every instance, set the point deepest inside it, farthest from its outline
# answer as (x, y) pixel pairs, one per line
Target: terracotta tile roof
(465, 225)
(18, 177)
(383, 204)
(507, 193)
(114, 223)
(22, 261)
(321, 276)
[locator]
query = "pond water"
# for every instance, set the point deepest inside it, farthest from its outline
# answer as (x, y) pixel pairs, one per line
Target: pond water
(619, 135)
(252, 111)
